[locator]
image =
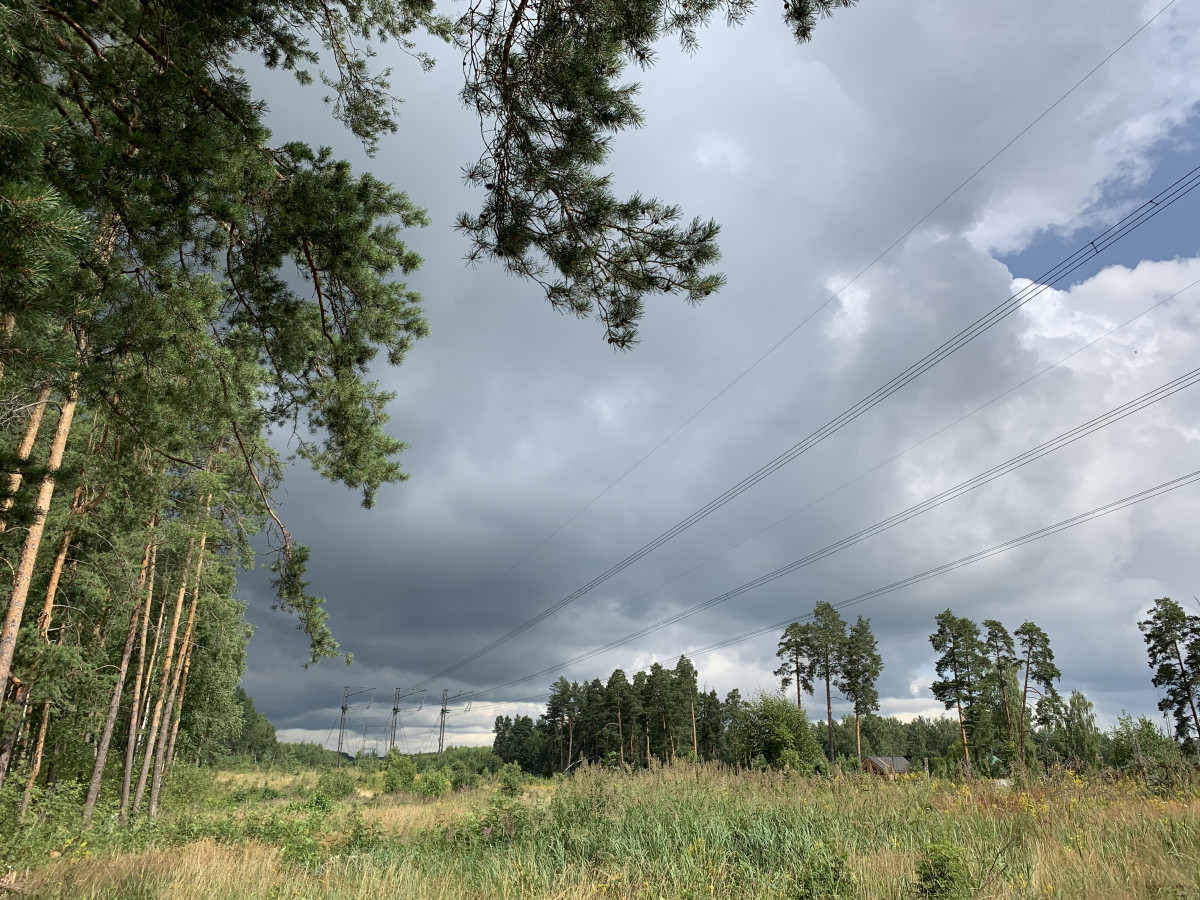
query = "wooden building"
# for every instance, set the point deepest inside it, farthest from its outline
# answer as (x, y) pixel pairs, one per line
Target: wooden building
(885, 765)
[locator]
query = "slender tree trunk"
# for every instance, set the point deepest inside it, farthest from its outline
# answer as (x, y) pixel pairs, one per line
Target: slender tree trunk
(829, 710)
(1187, 679)
(159, 747)
(858, 734)
(36, 768)
(9, 325)
(6, 754)
(159, 744)
(187, 669)
(33, 537)
(135, 703)
(147, 697)
(962, 726)
(114, 707)
(695, 743)
(164, 682)
(24, 451)
(620, 734)
(1025, 705)
(60, 559)
(43, 626)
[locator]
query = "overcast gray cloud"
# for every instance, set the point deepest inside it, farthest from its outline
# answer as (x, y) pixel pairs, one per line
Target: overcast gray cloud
(814, 159)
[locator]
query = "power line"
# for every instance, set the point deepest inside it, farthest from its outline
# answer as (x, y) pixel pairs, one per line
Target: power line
(892, 458)
(808, 318)
(1151, 493)
(993, 317)
(1019, 461)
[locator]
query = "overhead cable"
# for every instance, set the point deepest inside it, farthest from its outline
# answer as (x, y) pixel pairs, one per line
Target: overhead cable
(993, 317)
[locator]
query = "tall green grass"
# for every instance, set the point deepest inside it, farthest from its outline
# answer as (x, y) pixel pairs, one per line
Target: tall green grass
(688, 831)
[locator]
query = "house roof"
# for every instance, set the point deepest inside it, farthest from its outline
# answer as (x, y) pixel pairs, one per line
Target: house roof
(896, 764)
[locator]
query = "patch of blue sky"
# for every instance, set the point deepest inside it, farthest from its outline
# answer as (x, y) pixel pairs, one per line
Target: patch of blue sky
(1173, 233)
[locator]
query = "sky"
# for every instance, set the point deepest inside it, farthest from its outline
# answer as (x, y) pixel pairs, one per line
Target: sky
(878, 189)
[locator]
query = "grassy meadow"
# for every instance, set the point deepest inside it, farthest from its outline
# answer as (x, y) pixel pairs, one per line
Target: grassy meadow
(688, 831)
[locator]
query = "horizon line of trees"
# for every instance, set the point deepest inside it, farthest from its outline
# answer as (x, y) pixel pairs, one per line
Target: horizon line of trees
(1001, 689)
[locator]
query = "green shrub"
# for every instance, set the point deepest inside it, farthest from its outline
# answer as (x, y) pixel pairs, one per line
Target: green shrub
(398, 773)
(432, 783)
(189, 786)
(511, 780)
(462, 779)
(337, 784)
(943, 874)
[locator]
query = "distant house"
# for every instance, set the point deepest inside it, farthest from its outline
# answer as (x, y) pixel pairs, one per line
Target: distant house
(885, 765)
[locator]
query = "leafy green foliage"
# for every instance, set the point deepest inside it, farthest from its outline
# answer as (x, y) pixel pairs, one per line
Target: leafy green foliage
(1173, 644)
(399, 772)
(943, 874)
(777, 732)
(337, 784)
(547, 80)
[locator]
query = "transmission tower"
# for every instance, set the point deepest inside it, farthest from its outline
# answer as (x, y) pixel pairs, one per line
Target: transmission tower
(400, 695)
(347, 693)
(446, 698)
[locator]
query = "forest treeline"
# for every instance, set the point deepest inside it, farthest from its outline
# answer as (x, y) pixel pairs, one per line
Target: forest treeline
(1001, 689)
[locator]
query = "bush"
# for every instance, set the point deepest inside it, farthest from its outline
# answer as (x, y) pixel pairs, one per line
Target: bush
(188, 785)
(943, 874)
(432, 783)
(337, 784)
(511, 780)
(399, 773)
(462, 779)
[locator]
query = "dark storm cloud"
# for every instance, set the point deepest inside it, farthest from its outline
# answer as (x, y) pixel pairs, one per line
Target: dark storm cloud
(814, 160)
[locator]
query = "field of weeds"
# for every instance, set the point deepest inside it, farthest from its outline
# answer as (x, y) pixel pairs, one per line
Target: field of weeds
(689, 831)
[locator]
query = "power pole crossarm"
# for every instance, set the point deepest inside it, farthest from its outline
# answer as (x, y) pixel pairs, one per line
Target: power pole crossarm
(446, 698)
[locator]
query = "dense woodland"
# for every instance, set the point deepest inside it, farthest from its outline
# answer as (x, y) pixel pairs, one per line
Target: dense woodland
(1001, 689)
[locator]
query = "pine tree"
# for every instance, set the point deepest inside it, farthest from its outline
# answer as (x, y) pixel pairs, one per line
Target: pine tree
(861, 665)
(1037, 660)
(1173, 644)
(960, 668)
(1000, 690)
(827, 636)
(793, 649)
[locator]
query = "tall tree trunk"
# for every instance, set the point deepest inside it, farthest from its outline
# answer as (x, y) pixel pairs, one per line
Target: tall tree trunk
(187, 669)
(36, 768)
(160, 746)
(135, 703)
(695, 743)
(24, 451)
(147, 697)
(6, 754)
(43, 626)
(962, 727)
(1187, 679)
(1025, 705)
(33, 537)
(829, 709)
(857, 734)
(9, 325)
(163, 684)
(114, 707)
